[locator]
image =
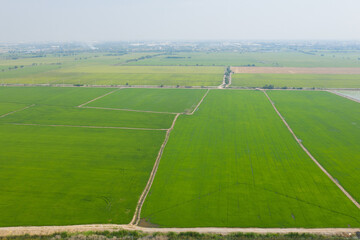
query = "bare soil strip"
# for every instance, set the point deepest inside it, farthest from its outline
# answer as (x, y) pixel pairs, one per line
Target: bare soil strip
(311, 156)
(227, 85)
(222, 85)
(295, 70)
(99, 97)
(130, 110)
(78, 126)
(345, 96)
(6, 114)
(136, 218)
(197, 106)
(46, 230)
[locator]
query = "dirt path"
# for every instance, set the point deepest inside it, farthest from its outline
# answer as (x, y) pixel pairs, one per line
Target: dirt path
(78, 126)
(98, 97)
(197, 106)
(311, 156)
(227, 85)
(46, 230)
(9, 113)
(136, 218)
(130, 110)
(344, 96)
(222, 85)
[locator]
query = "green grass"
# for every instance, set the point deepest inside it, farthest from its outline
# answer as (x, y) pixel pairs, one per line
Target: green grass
(329, 127)
(63, 176)
(50, 115)
(234, 164)
(54, 96)
(161, 100)
(9, 107)
(296, 80)
(101, 74)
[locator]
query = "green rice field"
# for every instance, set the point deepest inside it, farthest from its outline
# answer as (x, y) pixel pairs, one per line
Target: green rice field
(9, 107)
(66, 176)
(72, 175)
(112, 74)
(329, 126)
(235, 164)
(73, 116)
(168, 100)
(83, 155)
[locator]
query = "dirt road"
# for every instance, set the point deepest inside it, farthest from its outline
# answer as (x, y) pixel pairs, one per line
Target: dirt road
(46, 230)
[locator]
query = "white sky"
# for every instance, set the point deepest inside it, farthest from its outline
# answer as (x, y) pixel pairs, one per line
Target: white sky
(116, 20)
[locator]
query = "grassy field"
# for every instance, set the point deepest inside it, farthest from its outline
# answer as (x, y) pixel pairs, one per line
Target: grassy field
(52, 96)
(74, 175)
(270, 59)
(9, 107)
(234, 164)
(329, 126)
(50, 115)
(112, 74)
(296, 80)
(63, 176)
(161, 100)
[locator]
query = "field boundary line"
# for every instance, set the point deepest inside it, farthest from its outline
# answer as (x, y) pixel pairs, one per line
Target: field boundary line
(344, 96)
(81, 105)
(311, 156)
(79, 126)
(198, 105)
(130, 110)
(47, 230)
(136, 218)
(9, 113)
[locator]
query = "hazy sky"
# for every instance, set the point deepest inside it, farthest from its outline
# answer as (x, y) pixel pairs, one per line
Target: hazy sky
(98, 20)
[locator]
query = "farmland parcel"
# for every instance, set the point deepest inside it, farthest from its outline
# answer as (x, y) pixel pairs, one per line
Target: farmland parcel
(328, 126)
(61, 175)
(63, 164)
(234, 164)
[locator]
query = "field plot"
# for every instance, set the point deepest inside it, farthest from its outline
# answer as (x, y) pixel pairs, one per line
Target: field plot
(101, 74)
(296, 80)
(329, 127)
(270, 59)
(234, 164)
(161, 100)
(10, 107)
(65, 176)
(54, 96)
(139, 75)
(71, 116)
(44, 70)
